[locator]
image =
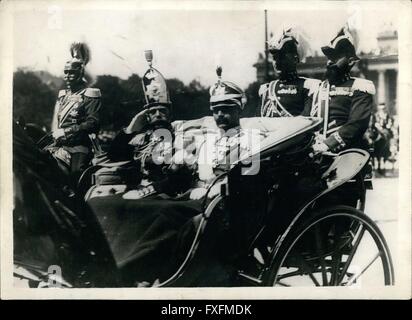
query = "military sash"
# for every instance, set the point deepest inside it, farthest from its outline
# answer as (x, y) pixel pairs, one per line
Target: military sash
(315, 105)
(273, 107)
(322, 108)
(68, 105)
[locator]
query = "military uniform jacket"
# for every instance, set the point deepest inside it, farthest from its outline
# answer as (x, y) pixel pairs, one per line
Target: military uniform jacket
(219, 151)
(294, 97)
(350, 108)
(153, 150)
(78, 114)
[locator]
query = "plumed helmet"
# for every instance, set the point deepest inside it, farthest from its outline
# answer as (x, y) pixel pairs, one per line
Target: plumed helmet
(80, 54)
(154, 85)
(344, 43)
(73, 65)
(292, 40)
(225, 93)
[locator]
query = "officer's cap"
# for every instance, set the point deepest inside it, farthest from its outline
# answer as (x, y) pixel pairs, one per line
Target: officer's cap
(226, 94)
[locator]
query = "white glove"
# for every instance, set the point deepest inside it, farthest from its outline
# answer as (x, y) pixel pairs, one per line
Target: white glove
(198, 193)
(214, 191)
(138, 122)
(58, 133)
(139, 193)
(182, 157)
(320, 147)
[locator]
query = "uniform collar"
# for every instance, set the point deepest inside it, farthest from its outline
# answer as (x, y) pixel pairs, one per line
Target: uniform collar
(231, 132)
(76, 89)
(345, 77)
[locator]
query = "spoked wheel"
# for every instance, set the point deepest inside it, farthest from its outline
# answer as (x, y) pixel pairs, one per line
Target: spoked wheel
(337, 246)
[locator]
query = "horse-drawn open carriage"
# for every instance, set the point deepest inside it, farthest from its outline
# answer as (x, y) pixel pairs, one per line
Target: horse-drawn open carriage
(299, 221)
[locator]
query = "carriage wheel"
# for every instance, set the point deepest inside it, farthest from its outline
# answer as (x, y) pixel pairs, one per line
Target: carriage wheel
(337, 246)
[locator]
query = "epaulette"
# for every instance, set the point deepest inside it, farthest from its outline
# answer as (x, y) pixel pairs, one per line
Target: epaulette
(363, 85)
(62, 93)
(311, 84)
(92, 93)
(263, 88)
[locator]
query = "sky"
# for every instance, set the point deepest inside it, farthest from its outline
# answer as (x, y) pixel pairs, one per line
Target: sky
(186, 43)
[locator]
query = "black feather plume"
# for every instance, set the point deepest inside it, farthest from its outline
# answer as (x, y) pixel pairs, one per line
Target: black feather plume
(80, 51)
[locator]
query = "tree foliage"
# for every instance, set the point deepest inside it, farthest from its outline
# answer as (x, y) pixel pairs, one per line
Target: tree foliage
(33, 100)
(121, 99)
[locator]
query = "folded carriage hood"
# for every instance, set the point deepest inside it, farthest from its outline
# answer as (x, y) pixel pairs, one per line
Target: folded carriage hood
(277, 128)
(273, 130)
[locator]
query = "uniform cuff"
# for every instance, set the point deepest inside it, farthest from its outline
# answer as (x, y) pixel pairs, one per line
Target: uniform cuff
(335, 142)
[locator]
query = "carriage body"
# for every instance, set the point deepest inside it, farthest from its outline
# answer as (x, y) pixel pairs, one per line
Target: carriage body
(264, 222)
(299, 212)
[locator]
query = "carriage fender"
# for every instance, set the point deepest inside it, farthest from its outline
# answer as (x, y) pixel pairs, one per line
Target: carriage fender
(346, 165)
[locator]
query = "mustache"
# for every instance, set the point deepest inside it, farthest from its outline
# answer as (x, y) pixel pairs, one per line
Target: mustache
(221, 120)
(160, 121)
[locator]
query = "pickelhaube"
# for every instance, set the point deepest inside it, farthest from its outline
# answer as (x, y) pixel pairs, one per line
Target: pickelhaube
(344, 43)
(226, 93)
(291, 40)
(154, 86)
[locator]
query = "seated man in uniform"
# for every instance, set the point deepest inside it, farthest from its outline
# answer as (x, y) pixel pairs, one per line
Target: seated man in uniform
(291, 94)
(345, 102)
(226, 142)
(140, 155)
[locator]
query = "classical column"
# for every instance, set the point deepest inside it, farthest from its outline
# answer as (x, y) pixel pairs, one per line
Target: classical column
(381, 86)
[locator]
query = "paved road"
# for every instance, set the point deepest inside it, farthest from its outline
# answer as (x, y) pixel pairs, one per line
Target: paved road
(382, 202)
(382, 207)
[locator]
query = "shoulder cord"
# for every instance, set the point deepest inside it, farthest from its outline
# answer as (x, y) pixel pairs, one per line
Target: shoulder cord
(144, 153)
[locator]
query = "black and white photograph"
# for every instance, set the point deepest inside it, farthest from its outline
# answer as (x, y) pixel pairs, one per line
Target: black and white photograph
(222, 149)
